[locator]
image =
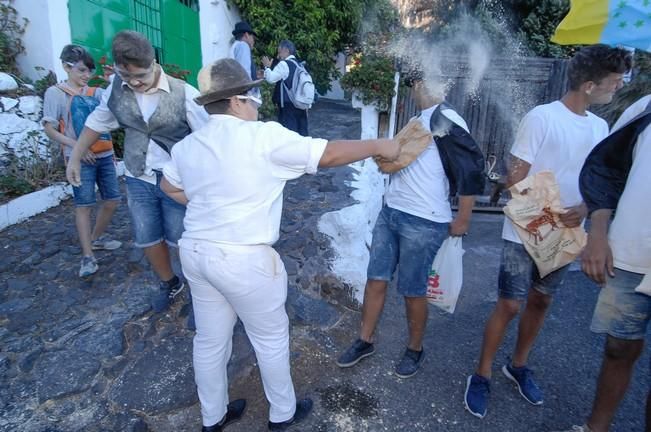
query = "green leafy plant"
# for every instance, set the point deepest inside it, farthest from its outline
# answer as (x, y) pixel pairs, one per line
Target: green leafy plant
(319, 29)
(11, 31)
(47, 81)
(372, 77)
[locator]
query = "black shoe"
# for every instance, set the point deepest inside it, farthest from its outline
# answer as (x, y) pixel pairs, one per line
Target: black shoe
(357, 351)
(166, 294)
(234, 412)
(303, 408)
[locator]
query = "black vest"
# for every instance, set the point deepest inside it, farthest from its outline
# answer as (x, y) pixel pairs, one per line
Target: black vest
(605, 171)
(288, 82)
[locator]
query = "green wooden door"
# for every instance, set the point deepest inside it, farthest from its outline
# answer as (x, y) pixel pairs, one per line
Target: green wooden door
(172, 27)
(181, 38)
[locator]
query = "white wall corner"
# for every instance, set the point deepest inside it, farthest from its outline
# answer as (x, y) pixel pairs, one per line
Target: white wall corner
(46, 33)
(216, 21)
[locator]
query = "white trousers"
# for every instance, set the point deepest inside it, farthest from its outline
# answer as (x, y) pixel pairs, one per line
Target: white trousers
(250, 282)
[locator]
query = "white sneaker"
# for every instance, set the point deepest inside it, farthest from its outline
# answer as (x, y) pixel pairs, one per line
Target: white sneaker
(88, 266)
(105, 243)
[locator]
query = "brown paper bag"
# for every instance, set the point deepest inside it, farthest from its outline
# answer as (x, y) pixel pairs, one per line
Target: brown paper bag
(534, 211)
(413, 139)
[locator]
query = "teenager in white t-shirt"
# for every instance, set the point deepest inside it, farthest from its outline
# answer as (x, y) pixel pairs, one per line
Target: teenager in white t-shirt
(619, 259)
(555, 137)
(231, 174)
(410, 229)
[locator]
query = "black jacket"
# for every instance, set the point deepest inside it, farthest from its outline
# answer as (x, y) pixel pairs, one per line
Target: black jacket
(461, 157)
(605, 171)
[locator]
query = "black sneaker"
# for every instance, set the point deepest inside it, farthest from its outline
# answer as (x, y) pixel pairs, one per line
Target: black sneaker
(303, 408)
(410, 363)
(165, 296)
(234, 412)
(357, 351)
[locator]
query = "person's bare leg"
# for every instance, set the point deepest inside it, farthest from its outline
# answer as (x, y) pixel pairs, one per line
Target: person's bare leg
(82, 220)
(104, 215)
(159, 258)
(374, 295)
(531, 322)
(417, 309)
(620, 356)
(505, 310)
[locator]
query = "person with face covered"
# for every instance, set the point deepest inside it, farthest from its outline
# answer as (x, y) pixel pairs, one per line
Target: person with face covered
(156, 111)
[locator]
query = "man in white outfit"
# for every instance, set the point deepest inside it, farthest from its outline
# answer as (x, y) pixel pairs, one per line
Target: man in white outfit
(231, 176)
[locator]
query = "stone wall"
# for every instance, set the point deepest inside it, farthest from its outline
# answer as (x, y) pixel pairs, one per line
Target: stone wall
(21, 132)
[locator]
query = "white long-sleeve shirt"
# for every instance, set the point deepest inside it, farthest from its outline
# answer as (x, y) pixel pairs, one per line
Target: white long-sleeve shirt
(280, 72)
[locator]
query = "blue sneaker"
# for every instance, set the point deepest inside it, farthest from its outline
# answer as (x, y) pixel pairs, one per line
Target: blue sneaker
(523, 378)
(410, 363)
(357, 351)
(476, 396)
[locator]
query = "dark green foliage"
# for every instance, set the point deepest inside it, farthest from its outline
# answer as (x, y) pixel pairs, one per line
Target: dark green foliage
(319, 29)
(11, 31)
(373, 77)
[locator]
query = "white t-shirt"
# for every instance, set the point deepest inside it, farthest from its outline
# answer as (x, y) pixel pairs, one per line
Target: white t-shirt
(553, 138)
(630, 232)
(422, 188)
(233, 173)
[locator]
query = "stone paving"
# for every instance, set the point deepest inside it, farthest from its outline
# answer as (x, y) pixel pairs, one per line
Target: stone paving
(90, 355)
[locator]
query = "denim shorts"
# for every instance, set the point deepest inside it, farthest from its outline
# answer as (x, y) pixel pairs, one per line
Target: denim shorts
(518, 273)
(102, 173)
(412, 242)
(154, 216)
(621, 312)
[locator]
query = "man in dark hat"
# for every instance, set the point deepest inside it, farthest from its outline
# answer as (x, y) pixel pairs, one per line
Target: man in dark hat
(241, 49)
(231, 174)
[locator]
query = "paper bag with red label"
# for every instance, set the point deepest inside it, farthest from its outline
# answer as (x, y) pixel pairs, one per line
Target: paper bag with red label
(534, 210)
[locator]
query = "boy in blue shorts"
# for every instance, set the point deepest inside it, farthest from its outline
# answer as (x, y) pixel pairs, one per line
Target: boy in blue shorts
(555, 137)
(97, 167)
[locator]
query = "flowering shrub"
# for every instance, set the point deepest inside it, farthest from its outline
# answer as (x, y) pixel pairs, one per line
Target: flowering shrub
(372, 76)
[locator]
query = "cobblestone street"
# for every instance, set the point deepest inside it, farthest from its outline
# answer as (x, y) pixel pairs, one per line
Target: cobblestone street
(90, 355)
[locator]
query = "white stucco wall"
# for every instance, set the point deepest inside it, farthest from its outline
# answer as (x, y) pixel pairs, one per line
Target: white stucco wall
(350, 229)
(336, 92)
(45, 34)
(217, 20)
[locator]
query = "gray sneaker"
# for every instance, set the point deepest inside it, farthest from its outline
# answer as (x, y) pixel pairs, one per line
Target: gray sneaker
(105, 243)
(88, 266)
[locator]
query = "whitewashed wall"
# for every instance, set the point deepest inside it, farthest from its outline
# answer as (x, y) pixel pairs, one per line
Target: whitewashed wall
(336, 92)
(217, 19)
(46, 33)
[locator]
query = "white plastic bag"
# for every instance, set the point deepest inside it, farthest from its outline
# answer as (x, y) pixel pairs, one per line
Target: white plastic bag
(446, 276)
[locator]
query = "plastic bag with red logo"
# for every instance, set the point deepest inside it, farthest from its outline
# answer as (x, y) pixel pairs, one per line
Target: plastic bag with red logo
(445, 278)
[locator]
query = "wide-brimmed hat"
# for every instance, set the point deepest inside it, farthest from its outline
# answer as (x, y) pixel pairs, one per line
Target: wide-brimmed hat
(243, 27)
(223, 79)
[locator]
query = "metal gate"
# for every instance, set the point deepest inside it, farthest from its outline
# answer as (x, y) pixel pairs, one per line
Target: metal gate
(172, 27)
